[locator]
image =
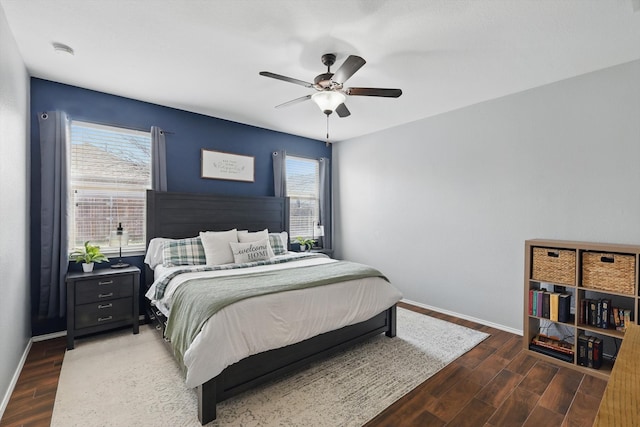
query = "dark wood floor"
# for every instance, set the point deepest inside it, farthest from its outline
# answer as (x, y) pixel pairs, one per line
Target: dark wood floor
(494, 384)
(31, 402)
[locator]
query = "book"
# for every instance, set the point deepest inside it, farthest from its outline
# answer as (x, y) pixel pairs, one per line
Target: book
(597, 353)
(530, 302)
(598, 314)
(604, 318)
(552, 343)
(592, 312)
(582, 350)
(590, 351)
(564, 308)
(584, 312)
(546, 305)
(627, 318)
(534, 304)
(553, 306)
(616, 317)
(552, 353)
(540, 303)
(622, 316)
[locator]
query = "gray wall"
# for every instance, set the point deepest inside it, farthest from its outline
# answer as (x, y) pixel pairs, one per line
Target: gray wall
(443, 205)
(15, 327)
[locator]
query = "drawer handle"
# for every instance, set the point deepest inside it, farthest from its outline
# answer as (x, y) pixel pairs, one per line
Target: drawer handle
(610, 259)
(104, 319)
(105, 305)
(110, 282)
(553, 254)
(110, 294)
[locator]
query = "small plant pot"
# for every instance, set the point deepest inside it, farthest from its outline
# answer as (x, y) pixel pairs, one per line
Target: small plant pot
(303, 248)
(87, 267)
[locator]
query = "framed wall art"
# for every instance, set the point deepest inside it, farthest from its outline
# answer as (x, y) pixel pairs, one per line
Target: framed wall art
(233, 167)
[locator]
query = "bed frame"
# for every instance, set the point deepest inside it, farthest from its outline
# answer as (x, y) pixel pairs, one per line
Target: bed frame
(180, 215)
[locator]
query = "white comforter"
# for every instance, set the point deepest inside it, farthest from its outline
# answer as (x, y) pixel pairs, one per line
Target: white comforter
(263, 323)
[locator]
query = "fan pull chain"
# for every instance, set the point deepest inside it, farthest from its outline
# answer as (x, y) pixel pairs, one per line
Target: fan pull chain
(327, 129)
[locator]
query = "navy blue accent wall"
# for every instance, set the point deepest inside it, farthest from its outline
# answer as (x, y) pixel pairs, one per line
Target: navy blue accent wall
(187, 134)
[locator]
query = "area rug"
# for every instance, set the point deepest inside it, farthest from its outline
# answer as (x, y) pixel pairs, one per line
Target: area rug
(120, 379)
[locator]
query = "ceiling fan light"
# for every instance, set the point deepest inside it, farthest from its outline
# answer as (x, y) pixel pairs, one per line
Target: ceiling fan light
(328, 100)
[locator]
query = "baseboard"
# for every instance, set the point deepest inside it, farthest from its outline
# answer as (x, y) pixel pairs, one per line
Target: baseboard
(465, 317)
(49, 336)
(14, 380)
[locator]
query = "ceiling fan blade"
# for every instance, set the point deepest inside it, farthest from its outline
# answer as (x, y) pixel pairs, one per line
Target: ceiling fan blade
(294, 101)
(342, 110)
(285, 78)
(373, 91)
(348, 68)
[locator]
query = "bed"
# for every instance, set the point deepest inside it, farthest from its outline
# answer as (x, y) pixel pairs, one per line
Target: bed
(182, 216)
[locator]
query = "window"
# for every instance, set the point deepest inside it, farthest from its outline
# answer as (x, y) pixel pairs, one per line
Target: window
(303, 190)
(110, 171)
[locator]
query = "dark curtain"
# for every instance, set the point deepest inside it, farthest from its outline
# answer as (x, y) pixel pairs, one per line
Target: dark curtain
(158, 159)
(280, 173)
(325, 201)
(54, 259)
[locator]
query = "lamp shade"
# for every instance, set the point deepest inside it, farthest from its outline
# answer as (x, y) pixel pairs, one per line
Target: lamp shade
(119, 238)
(318, 231)
(328, 100)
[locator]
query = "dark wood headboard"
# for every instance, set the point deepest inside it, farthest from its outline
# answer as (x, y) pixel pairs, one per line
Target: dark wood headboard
(180, 215)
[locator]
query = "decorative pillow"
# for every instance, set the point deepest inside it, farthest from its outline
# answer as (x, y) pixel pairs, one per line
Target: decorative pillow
(245, 236)
(216, 246)
(251, 251)
(183, 252)
(279, 242)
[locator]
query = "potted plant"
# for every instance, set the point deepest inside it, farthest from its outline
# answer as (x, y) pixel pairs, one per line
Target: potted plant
(305, 244)
(88, 255)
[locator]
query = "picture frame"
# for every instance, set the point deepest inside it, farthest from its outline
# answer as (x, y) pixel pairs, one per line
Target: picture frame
(227, 166)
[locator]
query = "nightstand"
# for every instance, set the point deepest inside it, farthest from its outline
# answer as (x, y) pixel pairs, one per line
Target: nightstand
(102, 300)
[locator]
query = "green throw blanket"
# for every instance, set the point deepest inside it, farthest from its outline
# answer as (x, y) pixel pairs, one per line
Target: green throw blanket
(196, 300)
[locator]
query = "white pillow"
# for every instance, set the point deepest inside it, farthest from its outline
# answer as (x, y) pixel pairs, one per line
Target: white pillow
(251, 251)
(153, 257)
(245, 236)
(216, 246)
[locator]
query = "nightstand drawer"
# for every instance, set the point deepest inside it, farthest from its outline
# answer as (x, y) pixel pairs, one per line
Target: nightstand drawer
(103, 289)
(101, 313)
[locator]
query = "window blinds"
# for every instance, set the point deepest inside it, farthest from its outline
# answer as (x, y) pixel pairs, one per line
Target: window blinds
(110, 171)
(303, 189)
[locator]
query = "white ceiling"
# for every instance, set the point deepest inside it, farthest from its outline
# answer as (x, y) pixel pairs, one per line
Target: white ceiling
(204, 55)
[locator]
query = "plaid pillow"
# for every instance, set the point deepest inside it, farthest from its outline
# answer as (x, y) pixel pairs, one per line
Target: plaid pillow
(183, 252)
(277, 245)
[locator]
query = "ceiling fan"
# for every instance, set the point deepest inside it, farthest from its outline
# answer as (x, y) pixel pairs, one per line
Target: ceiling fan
(330, 91)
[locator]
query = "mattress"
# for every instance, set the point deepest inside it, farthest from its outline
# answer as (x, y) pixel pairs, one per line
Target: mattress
(258, 324)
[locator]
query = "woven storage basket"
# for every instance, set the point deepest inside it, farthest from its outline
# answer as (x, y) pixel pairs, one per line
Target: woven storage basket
(554, 265)
(609, 272)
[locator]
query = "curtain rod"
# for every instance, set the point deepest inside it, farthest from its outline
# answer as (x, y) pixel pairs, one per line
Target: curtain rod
(132, 128)
(124, 127)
